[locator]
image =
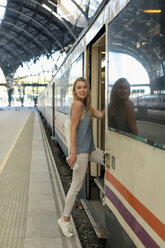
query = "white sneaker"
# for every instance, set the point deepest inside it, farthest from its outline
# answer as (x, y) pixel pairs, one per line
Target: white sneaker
(65, 228)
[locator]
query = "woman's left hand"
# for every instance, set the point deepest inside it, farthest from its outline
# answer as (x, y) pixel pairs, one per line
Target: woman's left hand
(71, 160)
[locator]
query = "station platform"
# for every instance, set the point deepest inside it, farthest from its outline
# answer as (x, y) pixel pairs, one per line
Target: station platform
(31, 193)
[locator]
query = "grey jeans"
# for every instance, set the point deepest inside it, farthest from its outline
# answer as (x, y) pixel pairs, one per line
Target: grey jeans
(79, 175)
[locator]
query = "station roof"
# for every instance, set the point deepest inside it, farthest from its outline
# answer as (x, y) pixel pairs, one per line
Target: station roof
(35, 27)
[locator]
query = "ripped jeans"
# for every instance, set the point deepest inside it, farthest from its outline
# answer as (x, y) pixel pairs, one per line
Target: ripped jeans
(79, 175)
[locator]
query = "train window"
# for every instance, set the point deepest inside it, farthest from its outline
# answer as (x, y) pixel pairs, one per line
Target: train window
(136, 52)
(64, 85)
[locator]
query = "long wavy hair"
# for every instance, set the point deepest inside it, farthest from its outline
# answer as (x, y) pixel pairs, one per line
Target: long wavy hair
(87, 101)
(113, 97)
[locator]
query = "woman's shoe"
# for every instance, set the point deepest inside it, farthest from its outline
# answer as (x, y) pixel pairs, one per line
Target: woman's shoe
(65, 228)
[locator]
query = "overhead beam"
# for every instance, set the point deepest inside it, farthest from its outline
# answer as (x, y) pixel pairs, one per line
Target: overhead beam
(13, 51)
(27, 33)
(81, 10)
(8, 62)
(33, 85)
(25, 85)
(20, 43)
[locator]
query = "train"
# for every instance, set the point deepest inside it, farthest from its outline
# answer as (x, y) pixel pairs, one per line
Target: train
(127, 194)
(154, 101)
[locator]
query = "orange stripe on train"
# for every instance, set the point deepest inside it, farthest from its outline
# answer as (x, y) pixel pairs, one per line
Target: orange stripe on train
(146, 214)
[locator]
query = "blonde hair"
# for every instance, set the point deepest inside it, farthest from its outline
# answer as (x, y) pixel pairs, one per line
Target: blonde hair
(87, 101)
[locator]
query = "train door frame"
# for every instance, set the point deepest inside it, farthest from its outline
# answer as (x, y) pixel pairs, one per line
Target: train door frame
(94, 76)
(53, 109)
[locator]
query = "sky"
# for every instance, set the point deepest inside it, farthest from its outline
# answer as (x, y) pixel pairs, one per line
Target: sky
(2, 9)
(2, 12)
(42, 66)
(2, 78)
(123, 65)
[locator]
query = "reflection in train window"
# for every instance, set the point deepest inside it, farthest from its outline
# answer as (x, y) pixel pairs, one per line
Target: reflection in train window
(64, 85)
(136, 52)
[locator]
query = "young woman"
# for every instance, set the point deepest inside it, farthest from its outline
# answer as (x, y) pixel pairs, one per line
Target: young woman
(82, 146)
(121, 113)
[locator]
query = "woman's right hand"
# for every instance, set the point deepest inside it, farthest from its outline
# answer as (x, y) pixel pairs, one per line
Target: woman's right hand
(71, 160)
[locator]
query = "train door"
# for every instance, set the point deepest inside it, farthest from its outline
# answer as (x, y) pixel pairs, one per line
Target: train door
(98, 101)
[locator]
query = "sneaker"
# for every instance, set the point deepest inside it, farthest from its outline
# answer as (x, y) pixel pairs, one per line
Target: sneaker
(65, 228)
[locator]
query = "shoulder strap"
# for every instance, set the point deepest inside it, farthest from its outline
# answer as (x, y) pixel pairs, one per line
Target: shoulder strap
(84, 108)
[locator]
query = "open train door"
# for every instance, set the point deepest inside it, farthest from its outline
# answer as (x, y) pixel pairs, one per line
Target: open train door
(95, 176)
(98, 102)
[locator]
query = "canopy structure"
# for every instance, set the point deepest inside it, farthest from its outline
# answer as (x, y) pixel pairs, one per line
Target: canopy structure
(33, 28)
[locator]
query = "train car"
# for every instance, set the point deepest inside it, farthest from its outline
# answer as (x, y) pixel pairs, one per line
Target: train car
(45, 106)
(127, 194)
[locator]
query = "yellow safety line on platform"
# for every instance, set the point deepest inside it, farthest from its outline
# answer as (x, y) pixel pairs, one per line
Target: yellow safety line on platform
(11, 148)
